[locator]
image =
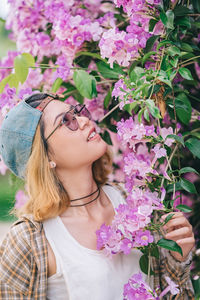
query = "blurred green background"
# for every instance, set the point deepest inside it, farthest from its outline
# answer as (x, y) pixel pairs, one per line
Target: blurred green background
(8, 184)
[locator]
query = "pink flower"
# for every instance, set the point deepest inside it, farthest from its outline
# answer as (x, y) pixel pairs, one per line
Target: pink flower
(143, 238)
(172, 288)
(126, 246)
(164, 132)
(136, 288)
(109, 47)
(159, 151)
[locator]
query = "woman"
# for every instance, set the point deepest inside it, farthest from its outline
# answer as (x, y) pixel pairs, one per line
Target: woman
(50, 252)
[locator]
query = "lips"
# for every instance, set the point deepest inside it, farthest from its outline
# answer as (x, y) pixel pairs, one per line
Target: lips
(92, 129)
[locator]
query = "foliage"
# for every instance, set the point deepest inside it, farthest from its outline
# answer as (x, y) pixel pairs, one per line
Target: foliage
(135, 64)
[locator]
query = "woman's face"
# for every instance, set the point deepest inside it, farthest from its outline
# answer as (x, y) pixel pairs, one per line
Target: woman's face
(71, 149)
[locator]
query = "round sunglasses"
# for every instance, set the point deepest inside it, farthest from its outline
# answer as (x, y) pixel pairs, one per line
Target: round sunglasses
(69, 119)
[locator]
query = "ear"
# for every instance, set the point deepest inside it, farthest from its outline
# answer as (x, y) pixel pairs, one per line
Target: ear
(52, 164)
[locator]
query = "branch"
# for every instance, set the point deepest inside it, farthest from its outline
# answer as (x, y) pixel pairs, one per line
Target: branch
(115, 107)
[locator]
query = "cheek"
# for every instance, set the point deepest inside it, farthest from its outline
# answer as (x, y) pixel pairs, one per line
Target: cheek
(71, 152)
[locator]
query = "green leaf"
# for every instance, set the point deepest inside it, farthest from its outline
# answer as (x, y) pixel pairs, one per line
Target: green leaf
(181, 10)
(193, 145)
(146, 56)
(154, 251)
(94, 89)
(179, 139)
(172, 74)
(185, 73)
(3, 83)
(57, 83)
(154, 110)
(136, 74)
(163, 43)
(170, 19)
(183, 108)
(184, 208)
(108, 72)
(130, 107)
(22, 63)
(140, 115)
(188, 170)
(146, 115)
(165, 80)
(183, 21)
(170, 187)
(173, 50)
(94, 55)
(174, 61)
(107, 98)
(168, 218)
(163, 17)
(29, 59)
(85, 83)
(144, 262)
(186, 47)
(196, 5)
(152, 24)
(21, 68)
(151, 41)
(170, 245)
(188, 186)
(106, 137)
(11, 80)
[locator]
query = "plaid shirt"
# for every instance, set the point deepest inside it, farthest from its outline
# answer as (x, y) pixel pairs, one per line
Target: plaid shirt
(23, 264)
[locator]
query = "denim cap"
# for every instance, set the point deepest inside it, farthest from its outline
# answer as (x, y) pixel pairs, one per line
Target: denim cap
(16, 136)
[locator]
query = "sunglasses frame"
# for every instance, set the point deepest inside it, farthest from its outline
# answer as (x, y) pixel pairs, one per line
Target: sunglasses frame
(74, 113)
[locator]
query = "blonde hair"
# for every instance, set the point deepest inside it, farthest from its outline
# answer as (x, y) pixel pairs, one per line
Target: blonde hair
(46, 194)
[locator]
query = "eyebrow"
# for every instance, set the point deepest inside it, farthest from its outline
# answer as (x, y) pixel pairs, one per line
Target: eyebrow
(61, 114)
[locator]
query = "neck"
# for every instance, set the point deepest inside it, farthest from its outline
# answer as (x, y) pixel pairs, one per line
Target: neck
(78, 184)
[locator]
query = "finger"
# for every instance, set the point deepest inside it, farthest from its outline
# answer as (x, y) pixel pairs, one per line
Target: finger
(178, 222)
(175, 215)
(186, 241)
(179, 233)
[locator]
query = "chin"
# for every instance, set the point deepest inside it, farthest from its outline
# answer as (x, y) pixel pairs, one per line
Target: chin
(101, 150)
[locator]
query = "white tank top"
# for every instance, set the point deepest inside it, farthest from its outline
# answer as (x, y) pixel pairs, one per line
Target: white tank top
(84, 273)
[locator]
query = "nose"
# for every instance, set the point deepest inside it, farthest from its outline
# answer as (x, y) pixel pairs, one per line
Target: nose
(82, 121)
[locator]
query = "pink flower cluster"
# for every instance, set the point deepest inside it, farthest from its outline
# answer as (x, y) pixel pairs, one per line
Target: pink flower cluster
(121, 46)
(130, 133)
(137, 288)
(128, 229)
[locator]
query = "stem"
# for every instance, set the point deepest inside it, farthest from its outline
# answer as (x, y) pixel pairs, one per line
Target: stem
(174, 4)
(168, 164)
(189, 59)
(194, 130)
(154, 81)
(149, 268)
(179, 162)
(123, 22)
(105, 81)
(115, 107)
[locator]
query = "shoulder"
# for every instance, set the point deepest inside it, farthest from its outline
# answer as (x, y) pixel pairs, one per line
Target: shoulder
(20, 252)
(119, 186)
(19, 236)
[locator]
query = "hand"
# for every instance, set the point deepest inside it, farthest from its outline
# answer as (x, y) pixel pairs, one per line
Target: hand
(179, 230)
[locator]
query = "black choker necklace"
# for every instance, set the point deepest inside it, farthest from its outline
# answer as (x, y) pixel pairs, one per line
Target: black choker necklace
(89, 201)
(85, 196)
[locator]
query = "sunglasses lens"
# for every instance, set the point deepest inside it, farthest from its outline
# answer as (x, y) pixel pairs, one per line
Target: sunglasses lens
(70, 121)
(82, 111)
